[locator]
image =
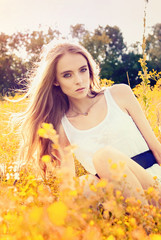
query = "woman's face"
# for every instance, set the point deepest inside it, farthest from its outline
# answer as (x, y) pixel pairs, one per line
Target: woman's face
(72, 74)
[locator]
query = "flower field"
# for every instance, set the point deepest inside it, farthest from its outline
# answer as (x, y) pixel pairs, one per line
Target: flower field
(35, 208)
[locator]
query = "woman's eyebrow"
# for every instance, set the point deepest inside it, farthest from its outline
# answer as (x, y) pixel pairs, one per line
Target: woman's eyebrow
(83, 66)
(68, 71)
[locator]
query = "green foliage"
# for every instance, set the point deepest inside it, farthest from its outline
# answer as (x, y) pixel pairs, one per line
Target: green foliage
(153, 45)
(19, 51)
(12, 67)
(78, 31)
(143, 74)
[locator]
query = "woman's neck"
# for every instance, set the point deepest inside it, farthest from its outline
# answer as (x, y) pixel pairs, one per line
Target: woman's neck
(81, 106)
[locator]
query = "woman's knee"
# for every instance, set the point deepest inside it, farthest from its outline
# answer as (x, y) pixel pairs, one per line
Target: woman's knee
(105, 154)
(108, 159)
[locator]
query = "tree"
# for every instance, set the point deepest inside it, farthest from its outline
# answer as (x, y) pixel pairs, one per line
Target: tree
(36, 40)
(116, 45)
(107, 47)
(17, 54)
(12, 67)
(3, 43)
(111, 65)
(153, 44)
(78, 31)
(130, 68)
(96, 43)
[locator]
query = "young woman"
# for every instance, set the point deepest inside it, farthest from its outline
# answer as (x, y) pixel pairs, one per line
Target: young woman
(104, 124)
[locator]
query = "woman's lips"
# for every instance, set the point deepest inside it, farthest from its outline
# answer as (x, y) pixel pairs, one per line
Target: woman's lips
(80, 89)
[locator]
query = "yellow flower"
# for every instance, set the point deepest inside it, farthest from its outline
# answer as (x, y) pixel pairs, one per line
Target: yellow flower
(155, 236)
(46, 158)
(120, 232)
(4, 228)
(111, 237)
(37, 237)
(47, 126)
(93, 188)
(102, 183)
(121, 198)
(57, 213)
(84, 215)
(155, 177)
(150, 190)
(126, 223)
(91, 223)
(35, 214)
(114, 166)
(10, 217)
(73, 193)
(132, 221)
(69, 234)
(109, 160)
(119, 222)
(106, 82)
(41, 132)
(118, 193)
(41, 187)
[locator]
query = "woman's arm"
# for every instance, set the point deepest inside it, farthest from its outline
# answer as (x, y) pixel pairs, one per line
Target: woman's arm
(68, 161)
(126, 99)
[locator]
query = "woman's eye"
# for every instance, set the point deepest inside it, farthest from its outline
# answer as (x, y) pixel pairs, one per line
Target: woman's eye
(83, 69)
(67, 75)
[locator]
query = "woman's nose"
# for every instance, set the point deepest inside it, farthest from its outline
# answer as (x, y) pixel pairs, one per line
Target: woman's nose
(78, 79)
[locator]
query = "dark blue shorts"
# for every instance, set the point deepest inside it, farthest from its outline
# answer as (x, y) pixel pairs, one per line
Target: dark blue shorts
(145, 159)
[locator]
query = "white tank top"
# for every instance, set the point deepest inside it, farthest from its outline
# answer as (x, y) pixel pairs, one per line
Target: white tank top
(117, 130)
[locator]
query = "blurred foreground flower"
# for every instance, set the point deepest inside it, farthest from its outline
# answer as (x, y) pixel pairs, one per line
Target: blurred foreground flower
(57, 213)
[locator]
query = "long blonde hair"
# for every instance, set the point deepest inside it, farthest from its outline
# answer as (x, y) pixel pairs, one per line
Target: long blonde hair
(46, 102)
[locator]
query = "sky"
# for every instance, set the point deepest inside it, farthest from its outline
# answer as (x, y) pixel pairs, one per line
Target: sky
(20, 15)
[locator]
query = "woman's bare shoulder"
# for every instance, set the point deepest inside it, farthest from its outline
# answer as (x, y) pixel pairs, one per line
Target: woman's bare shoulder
(122, 94)
(63, 140)
(120, 89)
